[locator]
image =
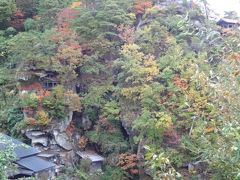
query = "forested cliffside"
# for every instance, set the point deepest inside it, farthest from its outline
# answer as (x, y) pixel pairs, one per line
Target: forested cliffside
(151, 85)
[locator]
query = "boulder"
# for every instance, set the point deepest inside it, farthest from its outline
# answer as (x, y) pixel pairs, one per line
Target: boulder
(34, 133)
(67, 158)
(64, 124)
(86, 123)
(141, 161)
(37, 137)
(128, 115)
(62, 140)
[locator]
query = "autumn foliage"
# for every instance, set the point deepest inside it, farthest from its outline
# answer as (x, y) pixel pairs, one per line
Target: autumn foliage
(18, 19)
(42, 118)
(76, 4)
(157, 83)
(30, 87)
(181, 83)
(140, 6)
(64, 19)
(70, 129)
(104, 124)
(31, 121)
(82, 142)
(128, 162)
(73, 101)
(234, 57)
(126, 33)
(170, 137)
(42, 93)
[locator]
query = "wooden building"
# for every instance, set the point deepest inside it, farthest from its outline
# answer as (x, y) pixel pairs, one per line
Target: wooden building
(228, 23)
(96, 160)
(27, 161)
(43, 78)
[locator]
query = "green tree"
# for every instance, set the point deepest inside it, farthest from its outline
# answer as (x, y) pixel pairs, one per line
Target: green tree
(48, 10)
(101, 18)
(7, 157)
(36, 52)
(7, 7)
(28, 7)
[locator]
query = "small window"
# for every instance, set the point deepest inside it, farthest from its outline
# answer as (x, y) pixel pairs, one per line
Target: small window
(50, 85)
(50, 75)
(45, 85)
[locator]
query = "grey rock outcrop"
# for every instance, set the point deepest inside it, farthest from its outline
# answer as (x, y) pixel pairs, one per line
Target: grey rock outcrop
(62, 140)
(53, 141)
(86, 123)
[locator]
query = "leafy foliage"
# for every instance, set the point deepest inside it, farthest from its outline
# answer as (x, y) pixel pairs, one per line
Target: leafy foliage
(42, 118)
(55, 103)
(7, 7)
(6, 157)
(29, 100)
(160, 165)
(112, 173)
(128, 162)
(109, 142)
(103, 22)
(151, 74)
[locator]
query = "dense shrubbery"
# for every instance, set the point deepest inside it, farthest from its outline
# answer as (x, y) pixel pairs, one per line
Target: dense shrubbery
(160, 82)
(42, 118)
(29, 101)
(6, 158)
(49, 105)
(55, 103)
(108, 142)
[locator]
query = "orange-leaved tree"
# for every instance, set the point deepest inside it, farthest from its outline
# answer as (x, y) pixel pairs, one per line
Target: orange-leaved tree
(140, 6)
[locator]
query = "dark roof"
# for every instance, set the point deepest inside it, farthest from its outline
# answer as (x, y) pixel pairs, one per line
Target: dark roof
(22, 150)
(226, 20)
(35, 164)
(27, 160)
(19, 171)
(25, 171)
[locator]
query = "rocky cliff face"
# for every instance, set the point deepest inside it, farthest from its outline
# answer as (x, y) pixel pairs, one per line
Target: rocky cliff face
(54, 142)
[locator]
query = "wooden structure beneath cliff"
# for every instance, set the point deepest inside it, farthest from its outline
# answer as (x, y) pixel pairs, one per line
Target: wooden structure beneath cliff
(96, 160)
(27, 160)
(50, 80)
(228, 23)
(44, 79)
